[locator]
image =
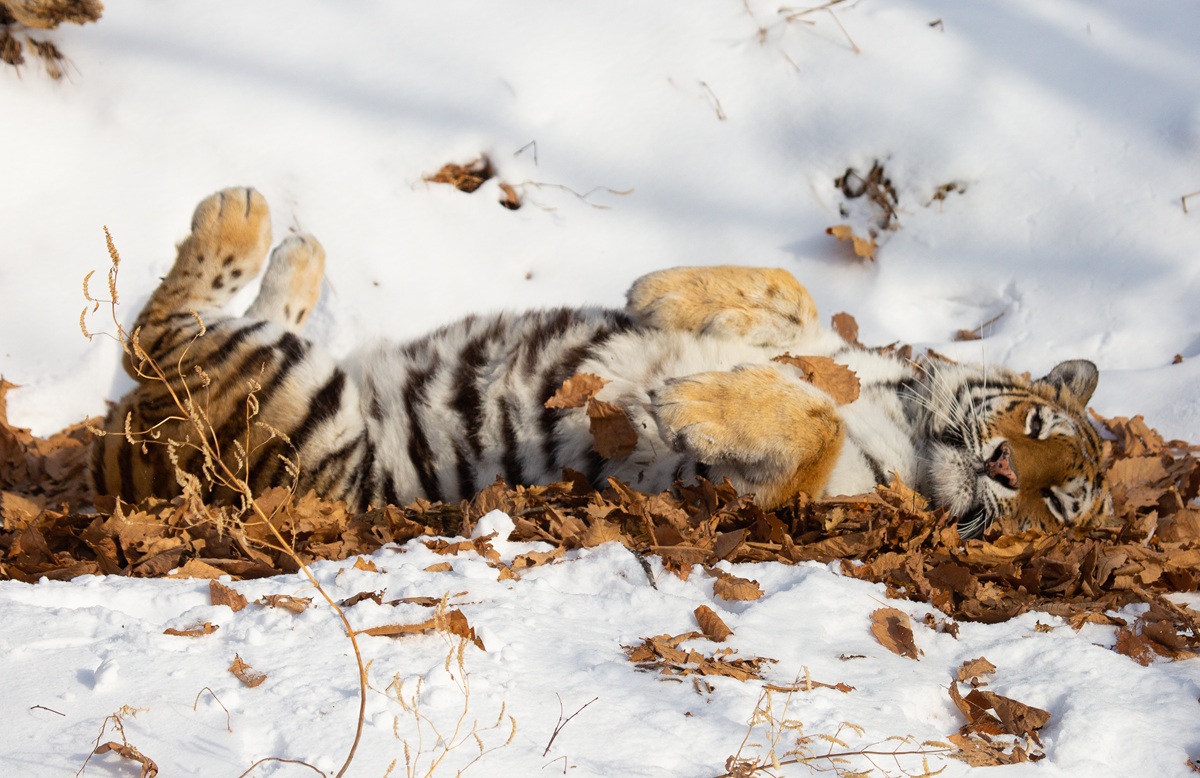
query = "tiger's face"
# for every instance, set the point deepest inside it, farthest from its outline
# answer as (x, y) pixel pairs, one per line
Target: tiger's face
(1000, 449)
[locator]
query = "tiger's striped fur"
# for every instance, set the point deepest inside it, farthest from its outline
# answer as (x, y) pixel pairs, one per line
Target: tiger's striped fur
(689, 360)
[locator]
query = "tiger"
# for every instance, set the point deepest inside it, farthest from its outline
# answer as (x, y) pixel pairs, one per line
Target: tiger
(693, 361)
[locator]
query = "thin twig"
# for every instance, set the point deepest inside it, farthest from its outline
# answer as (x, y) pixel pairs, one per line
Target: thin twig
(1183, 200)
(279, 759)
(43, 707)
(716, 101)
(563, 722)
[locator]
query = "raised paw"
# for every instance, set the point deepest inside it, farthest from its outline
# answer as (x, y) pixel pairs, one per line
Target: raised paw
(292, 283)
(231, 232)
(768, 431)
(764, 306)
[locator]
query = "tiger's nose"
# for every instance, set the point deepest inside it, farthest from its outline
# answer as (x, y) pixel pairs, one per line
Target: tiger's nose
(1000, 466)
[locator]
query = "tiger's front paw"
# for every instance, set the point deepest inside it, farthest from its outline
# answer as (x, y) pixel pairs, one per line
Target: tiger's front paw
(768, 431)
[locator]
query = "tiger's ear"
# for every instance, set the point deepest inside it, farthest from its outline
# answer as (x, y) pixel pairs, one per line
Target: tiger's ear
(1074, 379)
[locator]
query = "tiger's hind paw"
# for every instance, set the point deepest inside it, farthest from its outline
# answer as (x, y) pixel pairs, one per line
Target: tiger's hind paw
(764, 306)
(292, 283)
(231, 232)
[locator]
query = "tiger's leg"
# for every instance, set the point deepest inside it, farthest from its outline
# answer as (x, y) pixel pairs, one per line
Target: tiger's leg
(761, 426)
(231, 232)
(764, 306)
(292, 283)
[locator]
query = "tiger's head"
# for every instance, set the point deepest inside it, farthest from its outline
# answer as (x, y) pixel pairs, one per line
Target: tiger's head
(1000, 448)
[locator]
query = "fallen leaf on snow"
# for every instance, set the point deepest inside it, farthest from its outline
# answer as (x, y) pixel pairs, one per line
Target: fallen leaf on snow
(711, 624)
(864, 248)
(891, 627)
(193, 631)
(245, 673)
(220, 594)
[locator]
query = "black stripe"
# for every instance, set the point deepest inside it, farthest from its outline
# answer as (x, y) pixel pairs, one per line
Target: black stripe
(164, 482)
(552, 325)
(99, 482)
(876, 469)
(366, 476)
(293, 350)
(333, 466)
(593, 467)
(323, 407)
(465, 471)
(222, 353)
(468, 400)
(389, 491)
(419, 452)
(125, 468)
(374, 406)
(509, 443)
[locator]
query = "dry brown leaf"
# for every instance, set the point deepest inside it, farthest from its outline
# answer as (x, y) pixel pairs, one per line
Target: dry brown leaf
(465, 178)
(427, 602)
(975, 667)
(731, 587)
(220, 594)
(193, 631)
(663, 653)
(361, 563)
(285, 601)
(711, 624)
(599, 532)
(536, 558)
(355, 599)
(836, 380)
(892, 628)
(576, 391)
(455, 622)
(613, 435)
(394, 630)
(511, 199)
(846, 326)
(149, 768)
(864, 248)
(440, 567)
(245, 673)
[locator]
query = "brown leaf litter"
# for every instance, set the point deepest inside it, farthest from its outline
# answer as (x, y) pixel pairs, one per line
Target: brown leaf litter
(1147, 549)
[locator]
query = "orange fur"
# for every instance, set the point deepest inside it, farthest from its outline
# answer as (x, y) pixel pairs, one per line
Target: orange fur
(764, 306)
(785, 441)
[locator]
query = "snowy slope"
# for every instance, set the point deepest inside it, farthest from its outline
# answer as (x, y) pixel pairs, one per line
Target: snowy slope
(1073, 127)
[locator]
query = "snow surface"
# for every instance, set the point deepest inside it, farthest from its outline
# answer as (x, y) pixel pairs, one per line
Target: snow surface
(1074, 126)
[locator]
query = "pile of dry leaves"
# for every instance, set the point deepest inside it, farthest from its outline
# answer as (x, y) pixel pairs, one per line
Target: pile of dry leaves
(889, 536)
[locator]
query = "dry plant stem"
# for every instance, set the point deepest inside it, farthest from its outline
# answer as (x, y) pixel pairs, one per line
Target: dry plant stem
(228, 720)
(1183, 200)
(284, 761)
(834, 756)
(224, 474)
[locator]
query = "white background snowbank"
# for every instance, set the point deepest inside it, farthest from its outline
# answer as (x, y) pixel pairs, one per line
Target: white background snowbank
(1075, 128)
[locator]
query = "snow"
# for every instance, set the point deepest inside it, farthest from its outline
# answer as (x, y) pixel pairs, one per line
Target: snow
(1075, 128)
